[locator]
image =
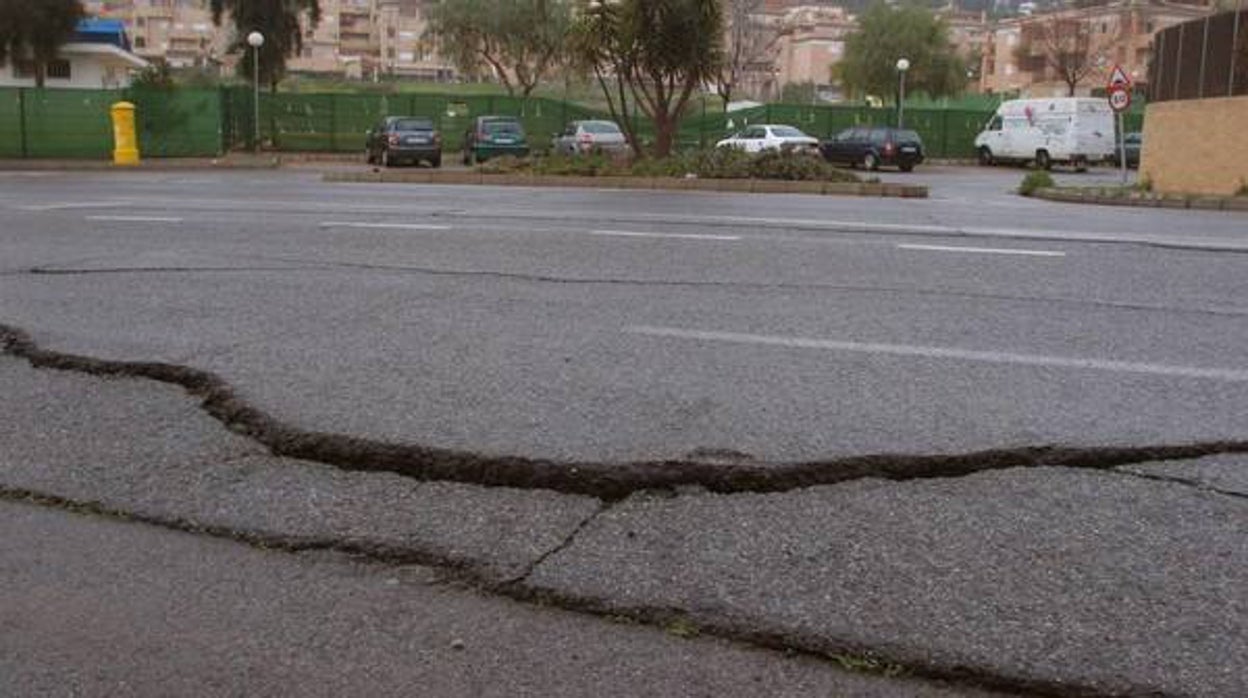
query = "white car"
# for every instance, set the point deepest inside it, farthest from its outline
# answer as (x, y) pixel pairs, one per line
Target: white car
(756, 139)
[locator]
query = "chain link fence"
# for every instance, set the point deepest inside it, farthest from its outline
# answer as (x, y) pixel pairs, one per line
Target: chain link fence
(208, 123)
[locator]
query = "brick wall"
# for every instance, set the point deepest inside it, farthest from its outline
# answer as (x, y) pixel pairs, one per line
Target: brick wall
(1197, 146)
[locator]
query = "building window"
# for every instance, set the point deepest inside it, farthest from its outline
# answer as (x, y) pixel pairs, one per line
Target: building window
(140, 42)
(59, 69)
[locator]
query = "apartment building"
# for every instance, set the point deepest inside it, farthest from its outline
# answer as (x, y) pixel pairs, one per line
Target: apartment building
(368, 39)
(371, 39)
(179, 32)
(1017, 54)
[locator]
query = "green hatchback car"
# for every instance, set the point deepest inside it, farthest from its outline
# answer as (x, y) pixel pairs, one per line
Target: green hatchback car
(492, 136)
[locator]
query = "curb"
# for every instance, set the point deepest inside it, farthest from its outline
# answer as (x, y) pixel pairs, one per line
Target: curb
(745, 186)
(153, 164)
(1144, 200)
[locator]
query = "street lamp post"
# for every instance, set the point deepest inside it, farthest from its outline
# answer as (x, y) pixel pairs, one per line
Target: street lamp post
(255, 40)
(903, 64)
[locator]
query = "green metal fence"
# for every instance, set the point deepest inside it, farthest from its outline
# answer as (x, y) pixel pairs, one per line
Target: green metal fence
(205, 123)
(76, 124)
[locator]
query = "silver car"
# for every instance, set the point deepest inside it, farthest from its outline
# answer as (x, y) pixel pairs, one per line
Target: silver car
(584, 137)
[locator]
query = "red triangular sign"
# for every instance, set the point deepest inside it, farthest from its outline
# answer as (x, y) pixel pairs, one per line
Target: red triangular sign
(1119, 77)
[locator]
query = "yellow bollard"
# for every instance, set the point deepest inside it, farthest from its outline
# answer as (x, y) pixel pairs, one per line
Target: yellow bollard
(125, 138)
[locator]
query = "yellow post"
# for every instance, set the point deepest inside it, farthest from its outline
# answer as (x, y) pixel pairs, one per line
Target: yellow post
(125, 137)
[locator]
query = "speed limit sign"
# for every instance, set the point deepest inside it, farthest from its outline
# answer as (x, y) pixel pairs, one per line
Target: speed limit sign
(1119, 98)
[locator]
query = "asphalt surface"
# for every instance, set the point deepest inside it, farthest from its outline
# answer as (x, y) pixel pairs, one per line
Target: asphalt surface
(93, 607)
(612, 325)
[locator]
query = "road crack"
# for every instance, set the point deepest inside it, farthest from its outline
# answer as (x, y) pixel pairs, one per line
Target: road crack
(603, 480)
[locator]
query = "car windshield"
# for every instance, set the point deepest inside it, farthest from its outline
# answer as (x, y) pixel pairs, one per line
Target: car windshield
(413, 125)
(600, 127)
(501, 128)
(787, 132)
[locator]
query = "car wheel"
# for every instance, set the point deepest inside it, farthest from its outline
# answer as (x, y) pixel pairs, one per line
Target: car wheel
(1043, 161)
(436, 161)
(870, 161)
(985, 156)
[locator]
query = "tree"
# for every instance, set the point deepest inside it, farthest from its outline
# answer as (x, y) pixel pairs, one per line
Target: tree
(518, 40)
(278, 21)
(886, 34)
(747, 41)
(35, 30)
(1064, 47)
(656, 53)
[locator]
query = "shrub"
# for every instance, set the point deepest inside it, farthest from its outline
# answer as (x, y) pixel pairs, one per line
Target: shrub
(1035, 180)
(506, 164)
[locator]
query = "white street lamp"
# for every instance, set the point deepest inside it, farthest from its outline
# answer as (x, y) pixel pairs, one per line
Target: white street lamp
(903, 64)
(255, 40)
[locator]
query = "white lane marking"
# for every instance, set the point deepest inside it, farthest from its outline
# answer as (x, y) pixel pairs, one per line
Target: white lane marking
(984, 250)
(67, 206)
(677, 236)
(384, 226)
(136, 219)
(994, 357)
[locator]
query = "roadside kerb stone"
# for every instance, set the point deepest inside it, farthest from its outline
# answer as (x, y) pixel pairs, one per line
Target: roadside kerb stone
(148, 450)
(1222, 473)
(1101, 582)
(1143, 199)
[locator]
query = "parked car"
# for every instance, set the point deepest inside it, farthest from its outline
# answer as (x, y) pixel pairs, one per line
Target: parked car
(1132, 142)
(1077, 131)
(492, 136)
(874, 146)
(584, 137)
(404, 138)
(760, 137)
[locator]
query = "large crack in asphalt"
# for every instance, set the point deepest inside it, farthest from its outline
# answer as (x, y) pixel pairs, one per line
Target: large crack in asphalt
(894, 663)
(609, 481)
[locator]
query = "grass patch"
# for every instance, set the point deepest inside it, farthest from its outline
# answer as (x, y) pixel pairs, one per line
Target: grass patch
(682, 628)
(866, 664)
(1035, 181)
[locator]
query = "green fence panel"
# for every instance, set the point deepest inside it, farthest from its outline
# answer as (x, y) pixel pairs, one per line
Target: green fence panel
(178, 123)
(69, 123)
(12, 137)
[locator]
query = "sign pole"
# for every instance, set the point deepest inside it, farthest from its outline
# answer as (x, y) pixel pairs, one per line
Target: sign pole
(1122, 149)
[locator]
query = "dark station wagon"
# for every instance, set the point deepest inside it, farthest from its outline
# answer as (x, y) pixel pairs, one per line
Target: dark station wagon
(874, 146)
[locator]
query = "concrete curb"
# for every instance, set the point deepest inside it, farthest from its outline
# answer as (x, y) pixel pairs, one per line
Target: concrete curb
(1139, 199)
(154, 164)
(745, 186)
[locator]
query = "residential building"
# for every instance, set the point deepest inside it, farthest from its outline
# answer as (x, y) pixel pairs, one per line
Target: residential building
(355, 38)
(97, 57)
(177, 32)
(1018, 55)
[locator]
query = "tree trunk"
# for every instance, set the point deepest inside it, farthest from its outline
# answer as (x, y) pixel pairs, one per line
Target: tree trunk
(664, 134)
(41, 72)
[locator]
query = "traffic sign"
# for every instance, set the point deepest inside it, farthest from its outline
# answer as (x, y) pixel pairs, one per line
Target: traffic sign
(1119, 98)
(1118, 76)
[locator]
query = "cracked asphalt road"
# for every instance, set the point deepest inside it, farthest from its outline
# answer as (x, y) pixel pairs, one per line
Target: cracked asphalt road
(616, 326)
(565, 325)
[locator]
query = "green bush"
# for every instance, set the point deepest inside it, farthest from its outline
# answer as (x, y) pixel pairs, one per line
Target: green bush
(1034, 181)
(713, 163)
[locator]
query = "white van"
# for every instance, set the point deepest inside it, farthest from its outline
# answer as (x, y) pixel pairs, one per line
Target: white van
(1072, 130)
